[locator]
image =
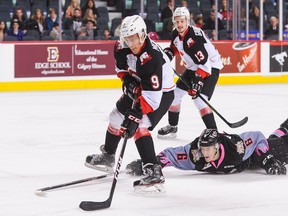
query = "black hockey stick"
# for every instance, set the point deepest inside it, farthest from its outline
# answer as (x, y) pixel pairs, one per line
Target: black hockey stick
(232, 125)
(91, 205)
(42, 191)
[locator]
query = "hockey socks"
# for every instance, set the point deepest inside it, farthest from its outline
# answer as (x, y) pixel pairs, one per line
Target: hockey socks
(209, 121)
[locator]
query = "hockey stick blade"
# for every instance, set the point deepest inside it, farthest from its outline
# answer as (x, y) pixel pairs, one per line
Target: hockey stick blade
(239, 123)
(91, 206)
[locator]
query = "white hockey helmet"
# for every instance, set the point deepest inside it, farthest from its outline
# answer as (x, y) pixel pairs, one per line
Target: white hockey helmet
(133, 25)
(182, 11)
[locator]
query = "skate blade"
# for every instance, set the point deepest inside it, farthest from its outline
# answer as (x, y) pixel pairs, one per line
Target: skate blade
(101, 168)
(149, 189)
(167, 136)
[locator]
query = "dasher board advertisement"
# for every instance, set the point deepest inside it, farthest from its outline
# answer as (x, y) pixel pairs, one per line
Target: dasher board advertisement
(279, 57)
(54, 60)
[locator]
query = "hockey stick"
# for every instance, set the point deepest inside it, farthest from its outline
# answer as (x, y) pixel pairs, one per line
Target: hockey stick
(42, 191)
(91, 205)
(232, 125)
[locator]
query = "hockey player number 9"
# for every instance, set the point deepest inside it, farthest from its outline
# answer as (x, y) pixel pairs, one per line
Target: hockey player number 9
(155, 82)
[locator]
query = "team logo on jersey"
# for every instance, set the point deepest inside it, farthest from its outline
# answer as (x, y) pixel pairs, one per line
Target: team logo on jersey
(240, 147)
(190, 42)
(145, 57)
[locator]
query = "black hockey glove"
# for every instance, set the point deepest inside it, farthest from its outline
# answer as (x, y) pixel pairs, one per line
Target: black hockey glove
(131, 122)
(169, 52)
(273, 166)
(196, 86)
(131, 87)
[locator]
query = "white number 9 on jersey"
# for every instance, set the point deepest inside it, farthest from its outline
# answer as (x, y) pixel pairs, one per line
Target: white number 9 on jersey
(155, 82)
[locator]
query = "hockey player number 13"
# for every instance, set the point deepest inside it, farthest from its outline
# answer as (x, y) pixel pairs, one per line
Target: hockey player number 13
(199, 55)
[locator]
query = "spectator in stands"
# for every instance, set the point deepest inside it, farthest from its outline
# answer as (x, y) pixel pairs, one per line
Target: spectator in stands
(87, 32)
(55, 32)
(166, 18)
(225, 12)
(167, 12)
(213, 8)
(19, 14)
(51, 19)
(184, 3)
(106, 34)
(89, 16)
(91, 29)
(199, 22)
(76, 21)
(90, 4)
(37, 22)
(3, 29)
(15, 31)
(71, 9)
(192, 22)
(273, 29)
(210, 22)
(81, 33)
(255, 15)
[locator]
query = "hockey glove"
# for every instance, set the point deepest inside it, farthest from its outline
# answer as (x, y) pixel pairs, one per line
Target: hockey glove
(131, 122)
(131, 87)
(273, 166)
(196, 86)
(169, 52)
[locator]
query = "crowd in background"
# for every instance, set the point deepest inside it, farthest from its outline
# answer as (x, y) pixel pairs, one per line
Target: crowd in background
(81, 19)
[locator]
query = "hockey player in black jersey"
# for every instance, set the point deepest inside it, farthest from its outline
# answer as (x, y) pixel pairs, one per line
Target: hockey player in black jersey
(140, 64)
(202, 62)
(227, 153)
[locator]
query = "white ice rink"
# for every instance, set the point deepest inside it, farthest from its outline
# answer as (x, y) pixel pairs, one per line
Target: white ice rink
(45, 137)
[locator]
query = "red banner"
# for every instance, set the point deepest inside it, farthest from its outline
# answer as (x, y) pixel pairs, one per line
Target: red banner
(50, 60)
(237, 57)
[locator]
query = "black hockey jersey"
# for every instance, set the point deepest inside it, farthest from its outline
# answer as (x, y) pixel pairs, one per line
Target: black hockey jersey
(153, 67)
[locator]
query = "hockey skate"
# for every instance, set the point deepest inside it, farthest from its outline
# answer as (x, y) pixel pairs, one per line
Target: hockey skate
(167, 132)
(102, 162)
(153, 182)
(134, 168)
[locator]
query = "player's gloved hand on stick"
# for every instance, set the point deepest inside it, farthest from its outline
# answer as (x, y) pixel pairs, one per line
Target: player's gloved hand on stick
(196, 86)
(131, 122)
(273, 166)
(131, 87)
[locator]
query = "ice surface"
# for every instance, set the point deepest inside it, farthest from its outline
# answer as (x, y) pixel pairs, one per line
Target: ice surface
(45, 137)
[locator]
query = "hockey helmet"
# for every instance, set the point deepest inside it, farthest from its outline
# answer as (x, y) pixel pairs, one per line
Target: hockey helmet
(182, 11)
(208, 137)
(133, 25)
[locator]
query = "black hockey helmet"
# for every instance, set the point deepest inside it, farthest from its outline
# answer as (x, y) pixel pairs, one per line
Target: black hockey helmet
(208, 137)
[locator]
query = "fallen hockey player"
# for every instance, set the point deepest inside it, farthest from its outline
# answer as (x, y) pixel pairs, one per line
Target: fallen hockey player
(216, 152)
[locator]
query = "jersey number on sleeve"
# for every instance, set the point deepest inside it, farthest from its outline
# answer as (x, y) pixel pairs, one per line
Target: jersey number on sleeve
(155, 82)
(199, 55)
